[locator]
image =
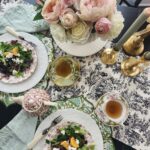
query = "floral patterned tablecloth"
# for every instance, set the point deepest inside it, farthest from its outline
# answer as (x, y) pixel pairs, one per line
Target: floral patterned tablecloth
(97, 79)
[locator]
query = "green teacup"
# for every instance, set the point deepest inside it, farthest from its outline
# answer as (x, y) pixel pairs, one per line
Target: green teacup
(64, 71)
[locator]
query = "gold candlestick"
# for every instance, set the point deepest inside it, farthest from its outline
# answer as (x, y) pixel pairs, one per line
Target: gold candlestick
(109, 56)
(134, 46)
(133, 66)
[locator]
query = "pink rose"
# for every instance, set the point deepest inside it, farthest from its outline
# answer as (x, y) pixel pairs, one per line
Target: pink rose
(52, 9)
(102, 26)
(39, 2)
(92, 10)
(68, 2)
(68, 18)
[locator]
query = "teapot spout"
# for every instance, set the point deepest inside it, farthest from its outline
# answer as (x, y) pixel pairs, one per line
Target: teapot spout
(18, 99)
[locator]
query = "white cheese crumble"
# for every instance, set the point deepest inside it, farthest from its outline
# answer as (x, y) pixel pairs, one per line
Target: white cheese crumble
(71, 148)
(17, 60)
(14, 72)
(63, 132)
(25, 49)
(56, 149)
(77, 141)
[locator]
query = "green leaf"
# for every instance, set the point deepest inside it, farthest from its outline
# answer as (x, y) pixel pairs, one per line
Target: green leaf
(38, 16)
(39, 7)
(47, 141)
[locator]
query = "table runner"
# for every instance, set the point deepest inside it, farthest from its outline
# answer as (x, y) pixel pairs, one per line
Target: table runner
(96, 79)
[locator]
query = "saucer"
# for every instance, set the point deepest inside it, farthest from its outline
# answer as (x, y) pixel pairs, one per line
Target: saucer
(71, 78)
(99, 110)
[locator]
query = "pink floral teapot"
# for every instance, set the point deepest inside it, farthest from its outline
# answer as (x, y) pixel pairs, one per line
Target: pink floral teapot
(35, 101)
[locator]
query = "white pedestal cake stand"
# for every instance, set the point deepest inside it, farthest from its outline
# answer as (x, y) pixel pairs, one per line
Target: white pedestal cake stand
(81, 50)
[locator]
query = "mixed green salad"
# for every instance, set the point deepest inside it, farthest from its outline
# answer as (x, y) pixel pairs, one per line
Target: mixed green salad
(14, 58)
(71, 137)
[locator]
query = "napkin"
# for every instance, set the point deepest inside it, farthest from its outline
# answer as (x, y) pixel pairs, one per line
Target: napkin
(18, 132)
(20, 17)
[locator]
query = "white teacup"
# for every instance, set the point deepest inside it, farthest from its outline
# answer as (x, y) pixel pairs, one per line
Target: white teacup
(112, 109)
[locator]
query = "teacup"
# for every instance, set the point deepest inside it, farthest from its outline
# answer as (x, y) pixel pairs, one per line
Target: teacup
(64, 71)
(35, 101)
(112, 109)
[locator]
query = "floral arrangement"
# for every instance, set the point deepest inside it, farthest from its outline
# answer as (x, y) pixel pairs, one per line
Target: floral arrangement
(79, 20)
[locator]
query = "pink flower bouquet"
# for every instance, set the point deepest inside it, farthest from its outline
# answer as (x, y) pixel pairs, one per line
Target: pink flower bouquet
(78, 20)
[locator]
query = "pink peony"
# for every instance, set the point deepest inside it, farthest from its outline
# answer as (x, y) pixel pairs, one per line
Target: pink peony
(102, 26)
(68, 18)
(68, 2)
(92, 10)
(52, 9)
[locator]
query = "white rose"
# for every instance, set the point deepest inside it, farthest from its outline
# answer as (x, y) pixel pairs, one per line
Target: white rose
(68, 18)
(58, 32)
(80, 33)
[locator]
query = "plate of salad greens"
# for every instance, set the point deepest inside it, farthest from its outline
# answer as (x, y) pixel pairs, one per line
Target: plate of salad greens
(77, 131)
(22, 65)
(18, 61)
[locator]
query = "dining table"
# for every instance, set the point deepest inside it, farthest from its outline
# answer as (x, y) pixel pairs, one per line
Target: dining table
(139, 119)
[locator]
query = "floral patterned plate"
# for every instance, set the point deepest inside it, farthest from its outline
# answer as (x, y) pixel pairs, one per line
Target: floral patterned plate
(42, 64)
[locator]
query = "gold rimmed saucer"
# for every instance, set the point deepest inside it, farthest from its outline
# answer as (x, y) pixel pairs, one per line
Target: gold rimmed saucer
(64, 71)
(100, 109)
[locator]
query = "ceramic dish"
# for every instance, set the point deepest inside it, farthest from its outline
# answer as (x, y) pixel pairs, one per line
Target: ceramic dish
(75, 116)
(37, 75)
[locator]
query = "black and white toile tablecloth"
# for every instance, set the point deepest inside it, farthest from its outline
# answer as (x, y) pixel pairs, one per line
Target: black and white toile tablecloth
(97, 79)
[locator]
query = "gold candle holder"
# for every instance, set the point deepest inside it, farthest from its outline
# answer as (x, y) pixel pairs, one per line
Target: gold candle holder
(134, 46)
(109, 56)
(133, 66)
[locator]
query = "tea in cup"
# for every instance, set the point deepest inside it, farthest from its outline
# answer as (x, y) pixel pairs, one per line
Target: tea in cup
(112, 109)
(64, 71)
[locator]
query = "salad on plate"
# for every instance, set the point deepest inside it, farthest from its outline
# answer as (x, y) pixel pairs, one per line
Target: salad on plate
(69, 136)
(18, 61)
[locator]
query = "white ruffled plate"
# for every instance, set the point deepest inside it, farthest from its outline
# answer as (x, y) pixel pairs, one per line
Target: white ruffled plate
(82, 50)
